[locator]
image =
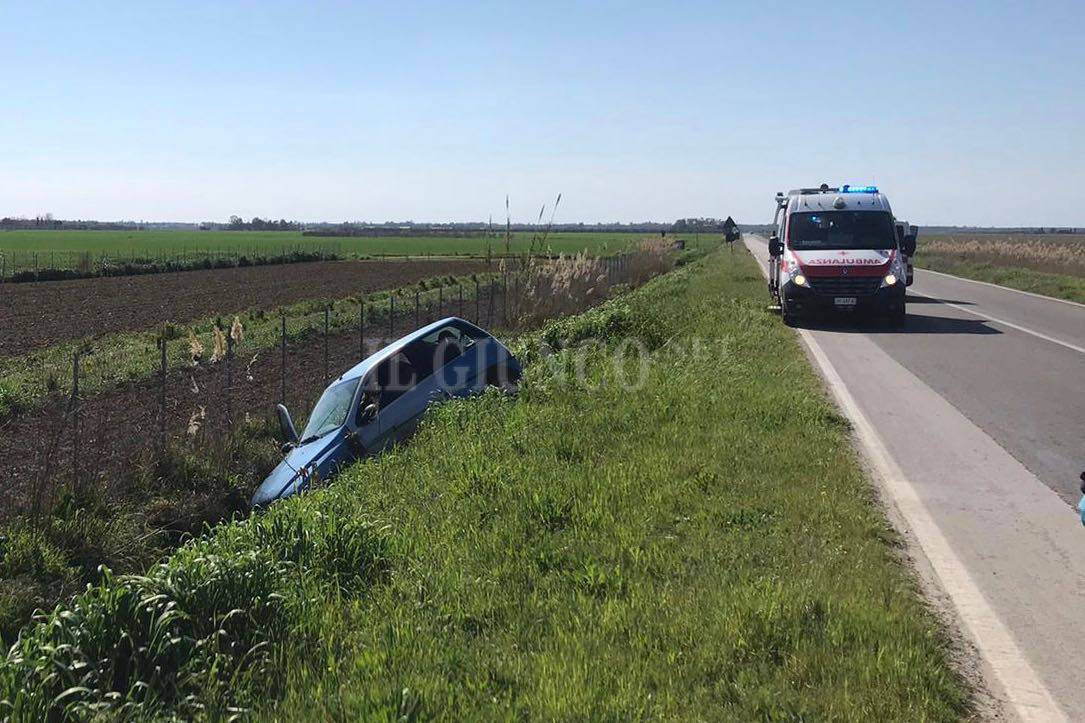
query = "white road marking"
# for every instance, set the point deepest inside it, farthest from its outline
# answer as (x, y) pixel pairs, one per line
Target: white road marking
(1026, 693)
(1000, 287)
(1018, 327)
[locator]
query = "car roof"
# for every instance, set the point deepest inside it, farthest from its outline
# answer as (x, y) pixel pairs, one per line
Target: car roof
(361, 368)
(826, 202)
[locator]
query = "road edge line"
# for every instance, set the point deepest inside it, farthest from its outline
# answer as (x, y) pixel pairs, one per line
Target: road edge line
(1025, 692)
(1033, 294)
(995, 320)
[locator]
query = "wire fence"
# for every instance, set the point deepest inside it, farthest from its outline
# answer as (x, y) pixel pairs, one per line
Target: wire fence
(75, 439)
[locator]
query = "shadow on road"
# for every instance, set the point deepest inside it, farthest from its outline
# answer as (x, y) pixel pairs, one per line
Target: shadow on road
(932, 300)
(916, 324)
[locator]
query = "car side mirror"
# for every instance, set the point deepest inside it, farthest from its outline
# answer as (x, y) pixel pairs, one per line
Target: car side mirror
(908, 245)
(286, 425)
(369, 413)
(776, 247)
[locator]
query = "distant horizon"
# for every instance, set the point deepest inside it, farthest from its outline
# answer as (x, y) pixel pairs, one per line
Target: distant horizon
(962, 113)
(497, 227)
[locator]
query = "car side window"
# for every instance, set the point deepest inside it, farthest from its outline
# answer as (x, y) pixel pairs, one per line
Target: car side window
(392, 378)
(437, 349)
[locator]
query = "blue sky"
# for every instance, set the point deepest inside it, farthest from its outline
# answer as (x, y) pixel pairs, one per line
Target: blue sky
(964, 113)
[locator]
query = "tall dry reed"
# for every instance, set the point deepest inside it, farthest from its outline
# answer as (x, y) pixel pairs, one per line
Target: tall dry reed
(544, 288)
(1058, 255)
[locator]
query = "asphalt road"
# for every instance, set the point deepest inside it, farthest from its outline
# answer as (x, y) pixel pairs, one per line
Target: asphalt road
(974, 417)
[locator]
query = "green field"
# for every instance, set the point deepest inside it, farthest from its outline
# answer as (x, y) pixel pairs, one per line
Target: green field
(701, 547)
(1047, 264)
(62, 249)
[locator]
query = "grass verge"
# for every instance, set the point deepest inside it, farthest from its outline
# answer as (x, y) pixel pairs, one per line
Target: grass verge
(1059, 286)
(702, 546)
(162, 502)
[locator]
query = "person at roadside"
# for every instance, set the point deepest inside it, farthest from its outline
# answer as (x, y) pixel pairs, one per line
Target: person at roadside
(1081, 504)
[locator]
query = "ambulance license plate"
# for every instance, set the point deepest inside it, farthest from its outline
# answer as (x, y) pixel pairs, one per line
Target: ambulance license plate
(845, 300)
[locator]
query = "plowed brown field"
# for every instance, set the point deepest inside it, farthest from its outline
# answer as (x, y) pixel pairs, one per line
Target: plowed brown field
(37, 315)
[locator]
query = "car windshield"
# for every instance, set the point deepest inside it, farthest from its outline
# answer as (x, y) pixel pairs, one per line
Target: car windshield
(331, 410)
(840, 230)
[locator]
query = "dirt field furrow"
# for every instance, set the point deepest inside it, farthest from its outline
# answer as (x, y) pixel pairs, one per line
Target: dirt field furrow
(37, 315)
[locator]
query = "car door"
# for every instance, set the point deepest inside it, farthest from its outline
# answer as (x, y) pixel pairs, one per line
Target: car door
(443, 369)
(373, 433)
(393, 387)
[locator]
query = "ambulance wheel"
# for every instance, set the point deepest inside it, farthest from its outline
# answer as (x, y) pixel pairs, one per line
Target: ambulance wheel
(789, 316)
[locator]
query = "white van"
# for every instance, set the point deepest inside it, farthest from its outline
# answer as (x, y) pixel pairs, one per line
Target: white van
(837, 250)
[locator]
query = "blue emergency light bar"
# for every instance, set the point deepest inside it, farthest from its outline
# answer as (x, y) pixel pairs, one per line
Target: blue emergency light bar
(858, 189)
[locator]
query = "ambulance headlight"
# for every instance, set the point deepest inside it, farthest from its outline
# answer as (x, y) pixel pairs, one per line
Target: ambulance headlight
(798, 280)
(890, 279)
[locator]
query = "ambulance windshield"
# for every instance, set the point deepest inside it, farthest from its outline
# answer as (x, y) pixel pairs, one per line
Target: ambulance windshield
(826, 230)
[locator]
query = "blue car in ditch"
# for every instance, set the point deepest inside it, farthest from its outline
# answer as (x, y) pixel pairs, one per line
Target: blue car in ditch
(380, 401)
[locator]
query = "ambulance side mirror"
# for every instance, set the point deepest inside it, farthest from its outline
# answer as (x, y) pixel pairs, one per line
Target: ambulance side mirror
(908, 245)
(776, 248)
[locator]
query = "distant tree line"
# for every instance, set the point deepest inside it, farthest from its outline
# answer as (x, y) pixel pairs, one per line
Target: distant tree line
(699, 225)
(47, 222)
(348, 229)
(470, 228)
(260, 224)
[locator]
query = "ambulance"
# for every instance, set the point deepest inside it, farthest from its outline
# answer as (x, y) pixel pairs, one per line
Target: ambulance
(838, 250)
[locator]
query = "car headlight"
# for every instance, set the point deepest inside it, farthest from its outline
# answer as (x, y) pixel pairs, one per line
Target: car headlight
(798, 280)
(890, 279)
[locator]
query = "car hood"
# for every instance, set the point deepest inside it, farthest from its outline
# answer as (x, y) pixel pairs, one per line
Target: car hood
(286, 478)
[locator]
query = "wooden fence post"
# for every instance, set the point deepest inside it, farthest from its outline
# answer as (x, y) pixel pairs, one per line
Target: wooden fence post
(229, 381)
(162, 394)
(327, 314)
(75, 419)
(493, 293)
(282, 379)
